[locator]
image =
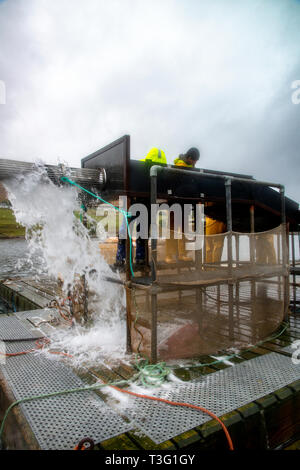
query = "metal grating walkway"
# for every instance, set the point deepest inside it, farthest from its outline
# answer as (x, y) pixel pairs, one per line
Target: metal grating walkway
(61, 422)
(12, 328)
(40, 313)
(219, 392)
(57, 422)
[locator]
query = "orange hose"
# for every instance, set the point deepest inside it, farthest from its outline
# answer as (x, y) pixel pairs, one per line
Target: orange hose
(63, 300)
(85, 440)
(18, 353)
(188, 405)
(40, 343)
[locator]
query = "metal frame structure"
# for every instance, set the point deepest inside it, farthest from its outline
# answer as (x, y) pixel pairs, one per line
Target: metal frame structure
(114, 161)
(154, 172)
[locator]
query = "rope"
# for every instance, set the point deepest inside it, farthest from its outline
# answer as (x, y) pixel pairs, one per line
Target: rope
(152, 375)
(125, 213)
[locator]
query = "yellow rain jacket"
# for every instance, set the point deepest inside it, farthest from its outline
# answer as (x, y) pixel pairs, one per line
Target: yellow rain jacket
(179, 162)
(214, 246)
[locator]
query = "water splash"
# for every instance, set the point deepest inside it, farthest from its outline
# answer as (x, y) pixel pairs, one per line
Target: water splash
(65, 249)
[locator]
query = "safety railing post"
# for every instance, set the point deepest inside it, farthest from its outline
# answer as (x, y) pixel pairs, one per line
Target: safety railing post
(199, 265)
(294, 271)
(285, 255)
(128, 290)
(229, 254)
(154, 235)
(237, 285)
(253, 247)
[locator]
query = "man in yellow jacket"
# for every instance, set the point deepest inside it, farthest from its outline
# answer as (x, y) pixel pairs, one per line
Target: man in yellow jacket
(214, 246)
(187, 160)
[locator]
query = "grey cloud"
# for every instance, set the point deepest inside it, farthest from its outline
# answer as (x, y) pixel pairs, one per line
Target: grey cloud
(171, 74)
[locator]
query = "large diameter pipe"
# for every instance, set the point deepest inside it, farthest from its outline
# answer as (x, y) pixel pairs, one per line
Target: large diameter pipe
(83, 176)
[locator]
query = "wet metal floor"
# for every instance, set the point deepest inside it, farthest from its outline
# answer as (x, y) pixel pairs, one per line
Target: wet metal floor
(61, 422)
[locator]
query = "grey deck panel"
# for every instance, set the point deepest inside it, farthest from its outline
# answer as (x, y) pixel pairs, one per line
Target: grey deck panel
(12, 328)
(58, 422)
(219, 392)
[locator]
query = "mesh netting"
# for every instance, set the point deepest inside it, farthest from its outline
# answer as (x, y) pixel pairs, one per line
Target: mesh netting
(219, 257)
(211, 294)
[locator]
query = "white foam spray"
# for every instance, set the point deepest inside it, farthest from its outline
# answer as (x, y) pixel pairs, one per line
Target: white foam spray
(65, 249)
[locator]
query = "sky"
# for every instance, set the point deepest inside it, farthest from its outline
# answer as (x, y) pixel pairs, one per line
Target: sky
(215, 74)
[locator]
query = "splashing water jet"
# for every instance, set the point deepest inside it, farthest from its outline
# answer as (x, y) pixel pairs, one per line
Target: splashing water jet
(67, 252)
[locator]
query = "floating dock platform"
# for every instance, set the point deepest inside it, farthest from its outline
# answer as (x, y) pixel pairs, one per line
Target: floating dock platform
(256, 394)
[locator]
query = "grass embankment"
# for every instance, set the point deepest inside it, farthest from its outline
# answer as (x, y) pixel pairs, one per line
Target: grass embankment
(9, 228)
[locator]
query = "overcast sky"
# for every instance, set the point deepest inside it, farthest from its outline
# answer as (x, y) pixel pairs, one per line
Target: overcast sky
(215, 74)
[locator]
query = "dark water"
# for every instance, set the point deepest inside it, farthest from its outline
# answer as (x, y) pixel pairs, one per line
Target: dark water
(14, 263)
(14, 260)
(4, 307)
